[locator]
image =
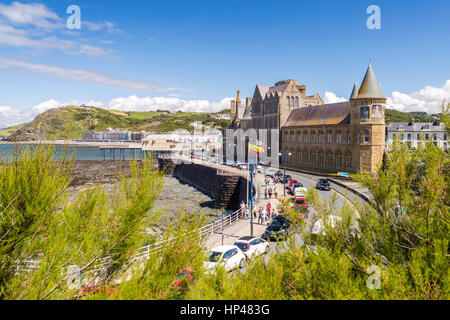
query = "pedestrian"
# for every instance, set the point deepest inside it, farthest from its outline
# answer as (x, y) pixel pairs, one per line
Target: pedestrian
(259, 216)
(242, 208)
(265, 193)
(263, 215)
(274, 214)
(247, 213)
(275, 192)
(269, 207)
(270, 193)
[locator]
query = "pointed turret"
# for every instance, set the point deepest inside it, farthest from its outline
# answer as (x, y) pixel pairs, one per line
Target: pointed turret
(355, 91)
(370, 88)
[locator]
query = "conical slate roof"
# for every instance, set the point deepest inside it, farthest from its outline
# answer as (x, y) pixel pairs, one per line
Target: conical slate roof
(355, 91)
(370, 88)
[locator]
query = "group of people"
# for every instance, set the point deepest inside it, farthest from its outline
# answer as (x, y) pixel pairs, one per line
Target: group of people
(268, 193)
(263, 214)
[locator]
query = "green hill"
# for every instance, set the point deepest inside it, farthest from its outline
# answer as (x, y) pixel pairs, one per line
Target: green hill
(4, 133)
(398, 116)
(70, 122)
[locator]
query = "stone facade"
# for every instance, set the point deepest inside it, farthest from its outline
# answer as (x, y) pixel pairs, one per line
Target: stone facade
(340, 137)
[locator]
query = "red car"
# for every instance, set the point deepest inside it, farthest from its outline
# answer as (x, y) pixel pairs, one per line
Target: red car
(290, 182)
(300, 203)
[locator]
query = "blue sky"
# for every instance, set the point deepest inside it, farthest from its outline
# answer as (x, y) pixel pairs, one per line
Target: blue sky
(194, 55)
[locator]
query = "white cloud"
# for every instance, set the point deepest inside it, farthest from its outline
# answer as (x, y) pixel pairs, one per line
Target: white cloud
(134, 103)
(34, 14)
(29, 25)
(331, 97)
(428, 99)
(82, 75)
(10, 117)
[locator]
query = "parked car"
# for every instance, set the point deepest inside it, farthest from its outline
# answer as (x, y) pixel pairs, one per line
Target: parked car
(300, 203)
(300, 192)
(243, 166)
(323, 184)
(252, 246)
(293, 186)
(231, 257)
(278, 228)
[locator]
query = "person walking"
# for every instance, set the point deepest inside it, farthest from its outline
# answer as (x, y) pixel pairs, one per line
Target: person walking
(274, 214)
(242, 208)
(265, 193)
(260, 216)
(270, 193)
(269, 207)
(263, 215)
(247, 213)
(275, 192)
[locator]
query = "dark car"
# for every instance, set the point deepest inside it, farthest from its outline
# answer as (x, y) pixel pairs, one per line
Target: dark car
(323, 184)
(278, 228)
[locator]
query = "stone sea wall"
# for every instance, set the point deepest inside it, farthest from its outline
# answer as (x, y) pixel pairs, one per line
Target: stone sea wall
(227, 190)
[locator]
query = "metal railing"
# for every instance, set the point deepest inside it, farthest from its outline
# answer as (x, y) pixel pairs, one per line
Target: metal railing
(143, 253)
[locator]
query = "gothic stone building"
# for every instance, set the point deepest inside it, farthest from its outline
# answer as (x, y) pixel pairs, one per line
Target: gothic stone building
(347, 136)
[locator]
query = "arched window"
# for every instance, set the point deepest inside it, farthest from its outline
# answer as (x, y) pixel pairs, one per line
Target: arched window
(348, 161)
(349, 138)
(367, 136)
(321, 136)
(329, 159)
(299, 137)
(292, 102)
(338, 160)
(313, 136)
(339, 137)
(288, 102)
(296, 102)
(330, 136)
(305, 136)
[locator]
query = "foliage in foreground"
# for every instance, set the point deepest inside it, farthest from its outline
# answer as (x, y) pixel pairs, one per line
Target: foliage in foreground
(395, 248)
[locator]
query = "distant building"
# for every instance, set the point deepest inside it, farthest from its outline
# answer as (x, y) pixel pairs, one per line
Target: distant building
(113, 136)
(415, 133)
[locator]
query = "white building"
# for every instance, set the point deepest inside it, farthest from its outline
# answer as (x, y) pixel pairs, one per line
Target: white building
(414, 133)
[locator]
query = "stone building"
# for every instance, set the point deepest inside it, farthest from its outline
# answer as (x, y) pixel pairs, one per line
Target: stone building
(414, 133)
(347, 136)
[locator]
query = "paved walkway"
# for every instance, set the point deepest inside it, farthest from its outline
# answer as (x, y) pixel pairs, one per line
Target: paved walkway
(242, 228)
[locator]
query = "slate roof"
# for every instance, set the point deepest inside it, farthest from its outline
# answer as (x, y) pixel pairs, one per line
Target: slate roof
(334, 113)
(370, 88)
(417, 126)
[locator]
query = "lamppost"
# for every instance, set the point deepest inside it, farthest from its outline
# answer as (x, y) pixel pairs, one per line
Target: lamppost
(284, 160)
(251, 199)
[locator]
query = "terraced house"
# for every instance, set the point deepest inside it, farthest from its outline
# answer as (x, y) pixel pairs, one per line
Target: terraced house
(347, 136)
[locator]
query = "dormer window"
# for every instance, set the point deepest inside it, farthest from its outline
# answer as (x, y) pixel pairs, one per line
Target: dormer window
(401, 128)
(426, 127)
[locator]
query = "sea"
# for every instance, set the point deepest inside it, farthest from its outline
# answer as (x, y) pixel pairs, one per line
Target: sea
(81, 153)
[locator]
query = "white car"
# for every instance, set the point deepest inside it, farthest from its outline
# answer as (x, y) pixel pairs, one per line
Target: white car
(231, 257)
(252, 246)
